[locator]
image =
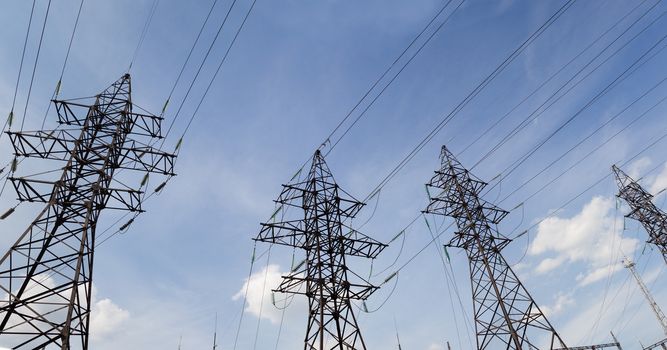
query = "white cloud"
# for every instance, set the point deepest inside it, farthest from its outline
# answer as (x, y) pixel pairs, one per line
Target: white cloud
(599, 273)
(259, 300)
(563, 300)
(637, 167)
(106, 318)
(549, 264)
(660, 181)
(435, 346)
(589, 237)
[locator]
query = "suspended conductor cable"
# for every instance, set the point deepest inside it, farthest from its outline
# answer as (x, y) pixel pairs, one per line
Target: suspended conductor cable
(245, 295)
(261, 303)
(609, 139)
(387, 70)
(10, 118)
(62, 71)
(551, 77)
(446, 275)
(363, 112)
(647, 147)
(144, 31)
(199, 69)
(609, 271)
(34, 67)
(554, 97)
(483, 84)
(400, 234)
(187, 59)
(222, 61)
(552, 163)
(608, 88)
(284, 309)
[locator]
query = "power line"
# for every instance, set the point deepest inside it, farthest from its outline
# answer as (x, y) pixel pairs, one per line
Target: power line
(551, 77)
(632, 122)
(144, 31)
(647, 147)
(363, 112)
(10, 118)
(201, 65)
(62, 71)
(222, 62)
(34, 67)
(607, 88)
(187, 59)
(386, 71)
(485, 82)
(553, 98)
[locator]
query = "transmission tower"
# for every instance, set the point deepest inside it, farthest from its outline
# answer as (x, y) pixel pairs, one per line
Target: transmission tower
(630, 265)
(324, 278)
(651, 217)
(46, 276)
(506, 316)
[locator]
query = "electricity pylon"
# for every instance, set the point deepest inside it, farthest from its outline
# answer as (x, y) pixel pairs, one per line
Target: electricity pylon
(651, 217)
(46, 276)
(320, 230)
(662, 319)
(506, 316)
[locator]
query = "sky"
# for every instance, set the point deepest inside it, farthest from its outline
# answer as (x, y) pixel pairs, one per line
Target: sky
(294, 72)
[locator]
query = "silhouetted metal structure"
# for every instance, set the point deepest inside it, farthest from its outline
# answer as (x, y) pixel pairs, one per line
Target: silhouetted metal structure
(659, 345)
(659, 315)
(320, 229)
(506, 316)
(46, 276)
(651, 217)
(616, 344)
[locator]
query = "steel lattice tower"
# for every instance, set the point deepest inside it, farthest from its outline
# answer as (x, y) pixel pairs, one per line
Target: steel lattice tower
(651, 217)
(324, 278)
(506, 316)
(657, 311)
(46, 276)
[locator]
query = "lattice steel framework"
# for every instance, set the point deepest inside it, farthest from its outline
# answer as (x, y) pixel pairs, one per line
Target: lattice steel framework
(659, 345)
(328, 241)
(651, 217)
(506, 316)
(46, 276)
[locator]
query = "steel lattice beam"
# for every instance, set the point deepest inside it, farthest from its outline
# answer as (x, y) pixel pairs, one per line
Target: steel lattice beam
(46, 276)
(324, 278)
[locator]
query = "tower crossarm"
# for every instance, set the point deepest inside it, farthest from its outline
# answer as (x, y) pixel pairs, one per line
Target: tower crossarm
(61, 144)
(658, 345)
(136, 124)
(292, 196)
(290, 233)
(42, 191)
(294, 234)
(47, 144)
(358, 244)
(593, 347)
(295, 284)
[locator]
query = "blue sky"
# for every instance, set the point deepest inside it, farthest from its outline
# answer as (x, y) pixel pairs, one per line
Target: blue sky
(296, 70)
